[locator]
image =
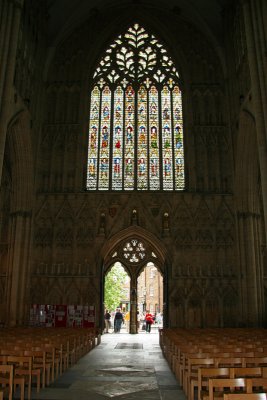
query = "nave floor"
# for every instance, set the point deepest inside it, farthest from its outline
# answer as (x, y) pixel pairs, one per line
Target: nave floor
(122, 367)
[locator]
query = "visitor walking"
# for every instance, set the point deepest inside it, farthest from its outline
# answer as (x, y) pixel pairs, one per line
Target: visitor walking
(107, 317)
(118, 320)
(149, 321)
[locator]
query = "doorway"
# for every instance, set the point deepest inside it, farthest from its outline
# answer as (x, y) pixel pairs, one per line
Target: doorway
(135, 249)
(117, 284)
(150, 296)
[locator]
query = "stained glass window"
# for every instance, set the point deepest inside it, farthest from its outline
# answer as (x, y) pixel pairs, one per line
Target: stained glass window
(136, 122)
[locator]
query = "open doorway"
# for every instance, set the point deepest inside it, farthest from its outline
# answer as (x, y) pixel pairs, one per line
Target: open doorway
(116, 296)
(137, 250)
(150, 296)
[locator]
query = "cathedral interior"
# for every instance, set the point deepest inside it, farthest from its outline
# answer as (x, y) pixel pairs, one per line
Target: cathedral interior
(183, 85)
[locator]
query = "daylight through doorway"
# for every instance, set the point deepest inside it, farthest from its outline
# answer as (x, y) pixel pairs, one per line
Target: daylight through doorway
(117, 299)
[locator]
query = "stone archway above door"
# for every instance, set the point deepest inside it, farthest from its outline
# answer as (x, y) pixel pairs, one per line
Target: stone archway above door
(134, 247)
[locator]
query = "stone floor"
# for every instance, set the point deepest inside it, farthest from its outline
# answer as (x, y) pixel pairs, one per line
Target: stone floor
(122, 367)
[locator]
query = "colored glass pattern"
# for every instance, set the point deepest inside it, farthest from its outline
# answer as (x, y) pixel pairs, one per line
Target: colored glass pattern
(178, 138)
(136, 135)
(142, 172)
(129, 138)
(118, 139)
(154, 176)
(167, 164)
(93, 140)
(103, 181)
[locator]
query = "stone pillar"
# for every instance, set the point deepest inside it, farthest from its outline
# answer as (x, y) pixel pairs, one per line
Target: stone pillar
(249, 270)
(257, 67)
(19, 269)
(9, 31)
(133, 308)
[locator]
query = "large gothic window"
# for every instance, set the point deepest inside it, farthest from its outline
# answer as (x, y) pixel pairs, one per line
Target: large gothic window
(136, 124)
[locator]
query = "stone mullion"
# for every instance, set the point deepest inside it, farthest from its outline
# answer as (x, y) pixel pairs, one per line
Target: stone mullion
(258, 106)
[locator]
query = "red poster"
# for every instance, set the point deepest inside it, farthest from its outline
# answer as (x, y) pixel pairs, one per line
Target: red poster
(61, 316)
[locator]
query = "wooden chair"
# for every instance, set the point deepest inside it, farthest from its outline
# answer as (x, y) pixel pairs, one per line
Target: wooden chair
(255, 362)
(230, 362)
(204, 374)
(46, 362)
(184, 367)
(6, 380)
(38, 366)
(246, 372)
(50, 357)
(22, 372)
(256, 385)
(191, 376)
(218, 387)
(244, 396)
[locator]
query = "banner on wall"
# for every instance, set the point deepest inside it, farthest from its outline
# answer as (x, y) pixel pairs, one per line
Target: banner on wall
(76, 316)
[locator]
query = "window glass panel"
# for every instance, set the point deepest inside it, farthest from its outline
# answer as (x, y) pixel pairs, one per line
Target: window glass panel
(93, 139)
(118, 139)
(167, 164)
(129, 138)
(154, 182)
(142, 139)
(178, 138)
(104, 139)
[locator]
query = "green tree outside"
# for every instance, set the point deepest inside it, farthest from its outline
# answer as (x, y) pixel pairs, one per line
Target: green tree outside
(114, 286)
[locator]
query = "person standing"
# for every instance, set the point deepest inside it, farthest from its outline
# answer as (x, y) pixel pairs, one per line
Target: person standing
(118, 320)
(127, 320)
(149, 321)
(107, 317)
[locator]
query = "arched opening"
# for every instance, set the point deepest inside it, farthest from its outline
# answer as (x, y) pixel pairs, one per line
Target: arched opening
(150, 295)
(116, 295)
(135, 248)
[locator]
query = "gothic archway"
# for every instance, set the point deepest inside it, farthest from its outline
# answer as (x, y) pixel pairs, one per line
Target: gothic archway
(135, 247)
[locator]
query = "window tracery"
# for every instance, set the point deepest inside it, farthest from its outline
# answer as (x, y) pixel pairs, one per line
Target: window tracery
(136, 124)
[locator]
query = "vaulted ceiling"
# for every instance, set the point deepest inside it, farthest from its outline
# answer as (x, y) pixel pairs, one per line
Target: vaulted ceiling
(64, 14)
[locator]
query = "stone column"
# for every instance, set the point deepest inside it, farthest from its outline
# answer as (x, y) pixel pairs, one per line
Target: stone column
(10, 33)
(249, 271)
(133, 303)
(257, 66)
(18, 262)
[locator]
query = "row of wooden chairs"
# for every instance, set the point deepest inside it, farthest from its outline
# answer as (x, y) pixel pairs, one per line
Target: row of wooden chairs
(218, 387)
(39, 356)
(189, 350)
(208, 378)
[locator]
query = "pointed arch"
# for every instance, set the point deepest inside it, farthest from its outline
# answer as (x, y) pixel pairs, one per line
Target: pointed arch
(154, 251)
(136, 123)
